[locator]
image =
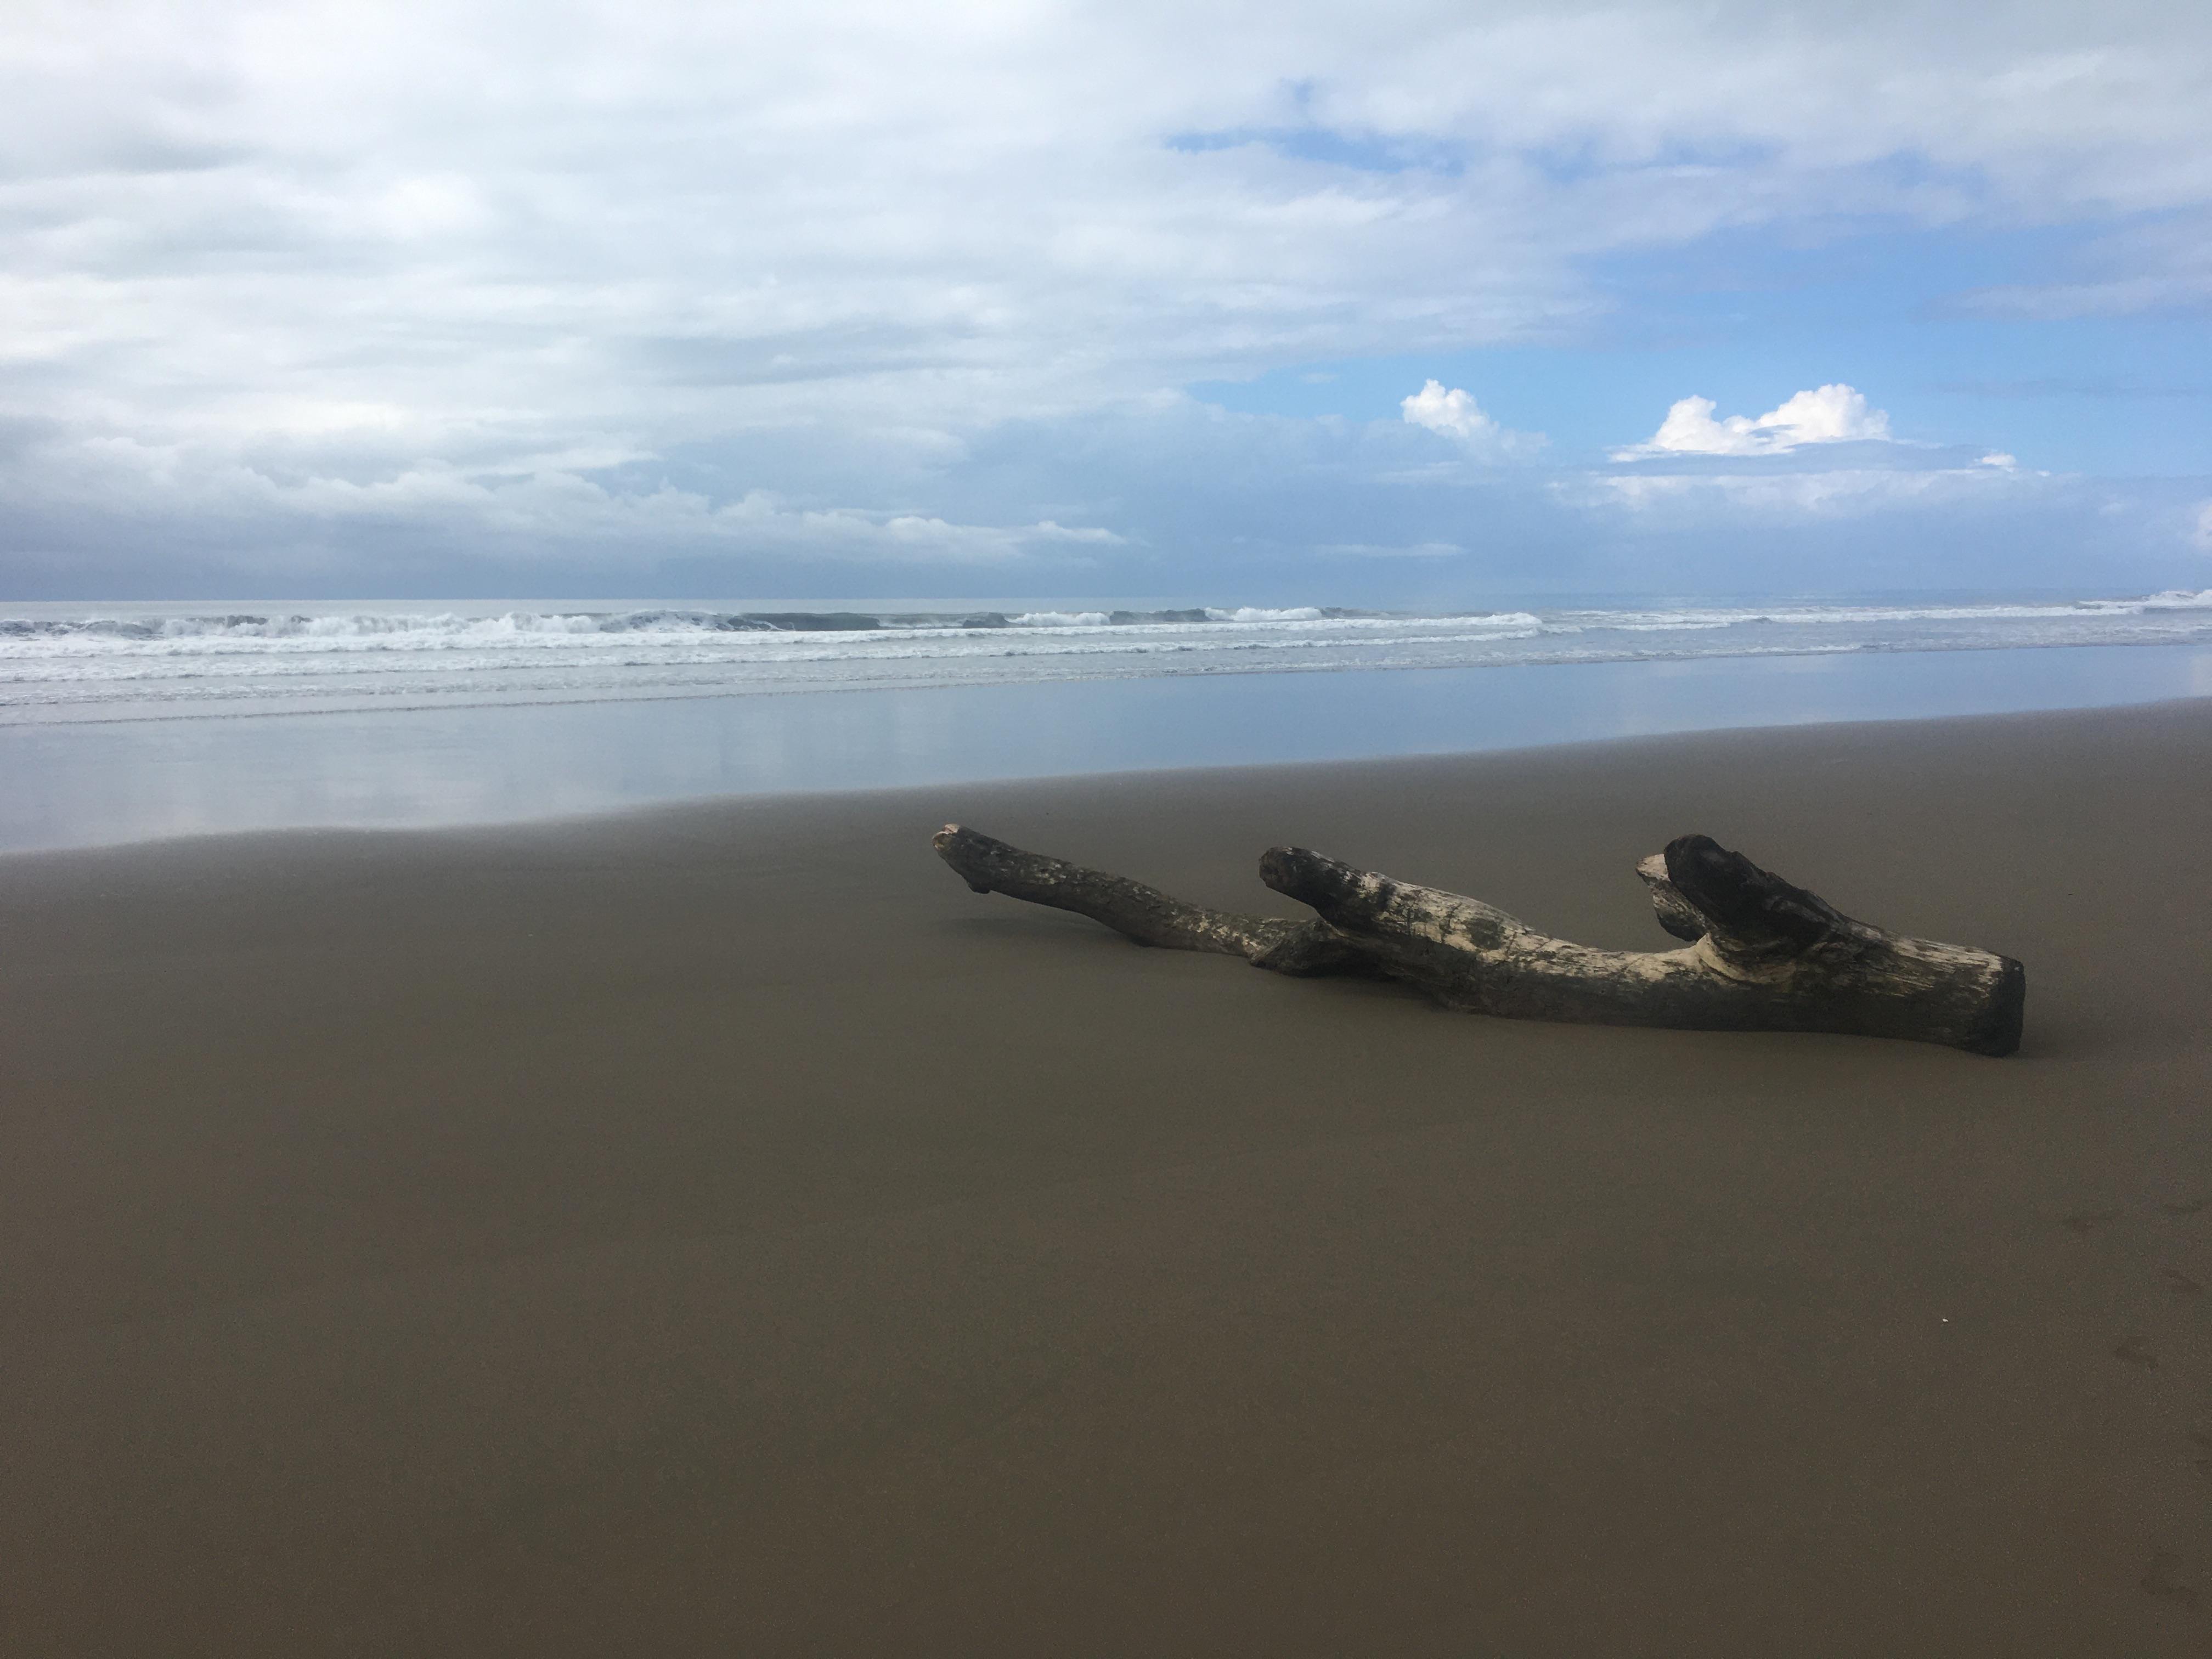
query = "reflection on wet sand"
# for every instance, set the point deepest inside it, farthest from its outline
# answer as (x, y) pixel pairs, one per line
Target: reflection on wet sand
(92, 784)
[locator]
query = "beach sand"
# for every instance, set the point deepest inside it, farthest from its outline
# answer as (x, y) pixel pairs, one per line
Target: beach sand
(717, 1231)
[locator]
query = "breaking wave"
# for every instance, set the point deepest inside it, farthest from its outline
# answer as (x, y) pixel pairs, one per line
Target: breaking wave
(63, 662)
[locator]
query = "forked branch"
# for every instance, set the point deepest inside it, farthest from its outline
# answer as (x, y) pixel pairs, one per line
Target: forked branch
(1763, 955)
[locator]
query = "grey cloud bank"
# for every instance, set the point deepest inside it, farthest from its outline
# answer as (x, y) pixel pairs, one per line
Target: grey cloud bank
(485, 298)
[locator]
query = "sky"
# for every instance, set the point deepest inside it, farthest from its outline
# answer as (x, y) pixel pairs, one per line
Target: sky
(1392, 303)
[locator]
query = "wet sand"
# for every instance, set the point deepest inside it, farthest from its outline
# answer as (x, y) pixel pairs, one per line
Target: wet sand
(716, 1230)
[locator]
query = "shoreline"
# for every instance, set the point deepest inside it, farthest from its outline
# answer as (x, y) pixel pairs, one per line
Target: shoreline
(83, 783)
(712, 1228)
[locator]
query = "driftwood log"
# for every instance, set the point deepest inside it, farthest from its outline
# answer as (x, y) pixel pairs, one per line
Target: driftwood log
(1761, 954)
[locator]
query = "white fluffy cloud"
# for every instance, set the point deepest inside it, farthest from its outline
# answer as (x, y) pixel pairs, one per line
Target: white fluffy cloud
(1824, 415)
(1454, 414)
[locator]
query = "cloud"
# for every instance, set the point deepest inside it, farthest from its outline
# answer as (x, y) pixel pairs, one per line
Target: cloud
(1795, 496)
(2202, 537)
(549, 512)
(1455, 415)
(2152, 262)
(384, 284)
(1824, 415)
(1170, 498)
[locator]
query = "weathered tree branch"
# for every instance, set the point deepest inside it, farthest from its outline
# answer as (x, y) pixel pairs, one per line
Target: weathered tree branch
(1145, 914)
(1763, 955)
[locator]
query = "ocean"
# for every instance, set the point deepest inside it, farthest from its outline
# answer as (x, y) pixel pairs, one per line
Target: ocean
(61, 662)
(128, 722)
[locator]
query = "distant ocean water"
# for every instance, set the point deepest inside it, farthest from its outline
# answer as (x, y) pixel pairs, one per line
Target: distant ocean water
(61, 663)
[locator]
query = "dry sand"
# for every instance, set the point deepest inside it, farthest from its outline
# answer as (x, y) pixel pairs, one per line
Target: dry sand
(717, 1232)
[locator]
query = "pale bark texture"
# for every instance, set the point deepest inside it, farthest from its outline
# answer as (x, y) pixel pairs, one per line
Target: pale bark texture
(1763, 955)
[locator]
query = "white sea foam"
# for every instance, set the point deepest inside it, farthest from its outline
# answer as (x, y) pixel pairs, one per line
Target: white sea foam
(57, 662)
